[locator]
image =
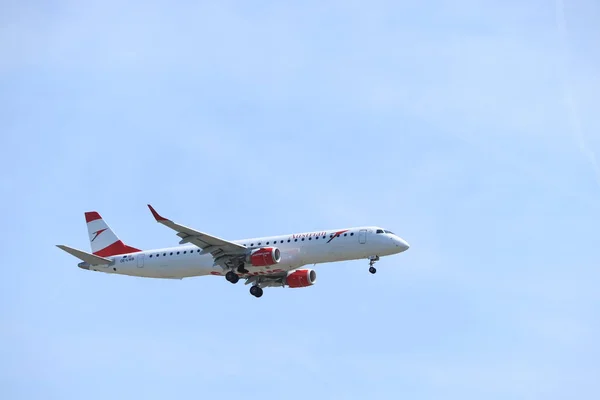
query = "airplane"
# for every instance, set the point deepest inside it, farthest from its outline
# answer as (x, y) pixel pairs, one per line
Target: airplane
(274, 261)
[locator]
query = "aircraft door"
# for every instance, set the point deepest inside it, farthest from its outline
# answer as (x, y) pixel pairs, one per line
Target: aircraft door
(362, 236)
(140, 260)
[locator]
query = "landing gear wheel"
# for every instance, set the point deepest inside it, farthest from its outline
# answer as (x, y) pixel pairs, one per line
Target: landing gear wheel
(256, 291)
(372, 261)
(232, 277)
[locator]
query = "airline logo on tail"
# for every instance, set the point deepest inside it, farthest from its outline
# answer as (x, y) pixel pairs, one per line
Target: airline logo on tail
(103, 240)
(97, 233)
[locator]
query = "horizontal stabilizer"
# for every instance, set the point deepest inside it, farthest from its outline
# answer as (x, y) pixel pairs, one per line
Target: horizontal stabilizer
(87, 257)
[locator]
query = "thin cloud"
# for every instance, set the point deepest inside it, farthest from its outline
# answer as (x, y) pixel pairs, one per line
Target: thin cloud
(570, 101)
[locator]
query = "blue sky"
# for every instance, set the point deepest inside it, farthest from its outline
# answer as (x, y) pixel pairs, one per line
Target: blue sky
(469, 128)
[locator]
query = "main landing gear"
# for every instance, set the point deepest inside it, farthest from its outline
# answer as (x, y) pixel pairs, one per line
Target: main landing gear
(242, 270)
(256, 291)
(232, 277)
(372, 261)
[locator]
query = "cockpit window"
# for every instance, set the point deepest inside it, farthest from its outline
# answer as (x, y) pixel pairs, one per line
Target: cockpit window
(379, 231)
(390, 232)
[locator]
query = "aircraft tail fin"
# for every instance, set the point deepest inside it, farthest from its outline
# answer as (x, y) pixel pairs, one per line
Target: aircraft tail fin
(103, 240)
(85, 257)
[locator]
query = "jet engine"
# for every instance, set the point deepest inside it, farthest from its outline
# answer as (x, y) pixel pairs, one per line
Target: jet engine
(301, 278)
(264, 257)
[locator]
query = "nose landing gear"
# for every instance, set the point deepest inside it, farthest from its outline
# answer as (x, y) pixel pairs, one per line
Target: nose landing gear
(372, 261)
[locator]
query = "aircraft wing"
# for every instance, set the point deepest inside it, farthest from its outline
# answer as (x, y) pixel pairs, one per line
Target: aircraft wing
(273, 277)
(222, 250)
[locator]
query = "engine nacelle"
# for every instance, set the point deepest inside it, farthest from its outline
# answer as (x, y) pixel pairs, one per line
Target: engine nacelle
(301, 278)
(264, 257)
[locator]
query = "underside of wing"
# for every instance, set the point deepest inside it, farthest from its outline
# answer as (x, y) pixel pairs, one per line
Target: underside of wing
(277, 278)
(295, 278)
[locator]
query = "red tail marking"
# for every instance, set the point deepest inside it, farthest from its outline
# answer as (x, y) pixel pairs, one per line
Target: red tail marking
(115, 249)
(92, 216)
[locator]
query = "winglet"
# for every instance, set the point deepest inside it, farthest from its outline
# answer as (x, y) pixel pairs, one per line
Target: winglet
(156, 215)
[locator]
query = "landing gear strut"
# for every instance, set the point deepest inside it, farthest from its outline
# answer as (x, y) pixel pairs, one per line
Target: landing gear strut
(242, 270)
(232, 277)
(372, 261)
(256, 291)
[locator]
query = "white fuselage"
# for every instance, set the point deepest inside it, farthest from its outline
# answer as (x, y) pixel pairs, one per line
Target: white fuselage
(296, 250)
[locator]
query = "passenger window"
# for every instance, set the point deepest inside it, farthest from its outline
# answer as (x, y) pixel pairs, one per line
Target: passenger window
(345, 234)
(352, 234)
(267, 242)
(177, 252)
(164, 254)
(289, 240)
(185, 252)
(150, 255)
(295, 240)
(171, 253)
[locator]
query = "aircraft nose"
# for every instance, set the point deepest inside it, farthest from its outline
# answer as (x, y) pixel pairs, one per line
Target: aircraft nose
(402, 244)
